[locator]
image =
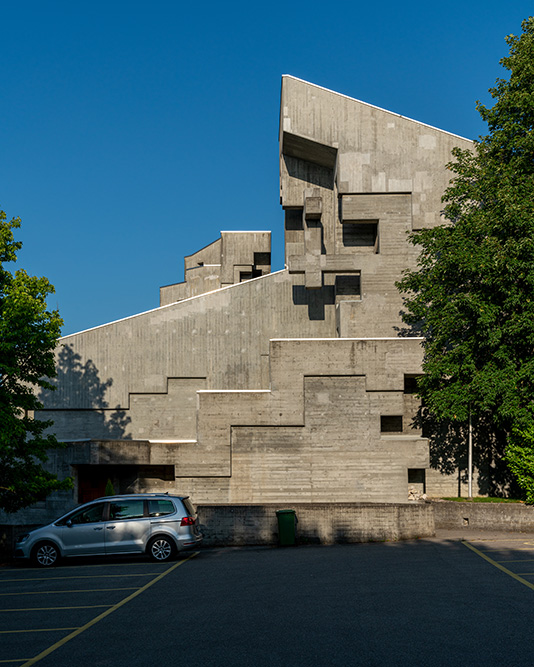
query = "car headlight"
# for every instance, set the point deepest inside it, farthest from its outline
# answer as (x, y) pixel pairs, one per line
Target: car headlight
(23, 538)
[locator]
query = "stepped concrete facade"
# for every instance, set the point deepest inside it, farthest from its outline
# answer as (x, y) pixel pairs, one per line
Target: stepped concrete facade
(246, 386)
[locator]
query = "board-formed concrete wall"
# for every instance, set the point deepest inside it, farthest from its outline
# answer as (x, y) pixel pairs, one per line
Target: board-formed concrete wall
(514, 517)
(247, 386)
(329, 523)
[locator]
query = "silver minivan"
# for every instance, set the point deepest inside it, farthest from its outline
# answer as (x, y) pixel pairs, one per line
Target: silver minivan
(154, 523)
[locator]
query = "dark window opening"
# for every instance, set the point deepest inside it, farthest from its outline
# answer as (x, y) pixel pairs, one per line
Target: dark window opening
(348, 287)
(92, 479)
(361, 235)
(293, 219)
(262, 259)
(417, 479)
(391, 424)
(245, 275)
(410, 384)
(416, 475)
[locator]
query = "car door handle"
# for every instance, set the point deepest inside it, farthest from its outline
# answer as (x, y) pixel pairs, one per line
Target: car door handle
(98, 528)
(110, 527)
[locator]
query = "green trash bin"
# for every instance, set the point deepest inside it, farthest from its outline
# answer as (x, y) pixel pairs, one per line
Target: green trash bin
(287, 527)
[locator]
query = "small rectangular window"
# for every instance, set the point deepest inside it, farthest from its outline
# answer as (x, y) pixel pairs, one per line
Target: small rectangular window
(361, 235)
(410, 384)
(262, 259)
(416, 475)
(416, 483)
(293, 219)
(391, 424)
(348, 287)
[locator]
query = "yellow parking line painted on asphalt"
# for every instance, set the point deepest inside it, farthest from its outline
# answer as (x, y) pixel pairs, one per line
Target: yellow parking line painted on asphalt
(12, 632)
(89, 590)
(515, 576)
(23, 569)
(500, 550)
(522, 560)
(17, 660)
(85, 627)
(502, 539)
(87, 606)
(88, 576)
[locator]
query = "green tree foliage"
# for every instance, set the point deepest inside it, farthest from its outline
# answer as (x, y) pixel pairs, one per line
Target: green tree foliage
(28, 337)
(472, 295)
(520, 459)
(110, 489)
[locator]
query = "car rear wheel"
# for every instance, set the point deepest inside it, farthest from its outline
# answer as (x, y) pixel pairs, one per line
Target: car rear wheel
(161, 549)
(45, 554)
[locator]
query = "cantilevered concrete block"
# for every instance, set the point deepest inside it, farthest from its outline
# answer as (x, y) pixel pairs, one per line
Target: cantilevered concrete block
(313, 208)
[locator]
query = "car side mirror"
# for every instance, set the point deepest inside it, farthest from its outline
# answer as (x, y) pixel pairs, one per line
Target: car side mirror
(68, 523)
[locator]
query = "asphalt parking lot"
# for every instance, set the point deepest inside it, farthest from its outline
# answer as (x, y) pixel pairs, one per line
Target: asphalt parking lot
(428, 602)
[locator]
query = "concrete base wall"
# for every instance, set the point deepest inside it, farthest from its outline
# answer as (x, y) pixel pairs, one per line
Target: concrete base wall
(514, 517)
(318, 523)
(338, 523)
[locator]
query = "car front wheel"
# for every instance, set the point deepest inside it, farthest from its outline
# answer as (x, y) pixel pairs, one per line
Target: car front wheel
(45, 554)
(161, 549)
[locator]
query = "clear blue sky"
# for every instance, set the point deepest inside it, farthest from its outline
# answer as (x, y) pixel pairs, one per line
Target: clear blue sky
(133, 132)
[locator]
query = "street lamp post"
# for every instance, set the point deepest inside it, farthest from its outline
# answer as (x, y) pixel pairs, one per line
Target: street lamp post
(470, 460)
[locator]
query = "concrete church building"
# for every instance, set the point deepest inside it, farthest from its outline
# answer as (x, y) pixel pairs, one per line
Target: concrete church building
(246, 386)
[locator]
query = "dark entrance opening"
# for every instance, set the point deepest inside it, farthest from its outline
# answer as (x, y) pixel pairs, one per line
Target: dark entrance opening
(92, 479)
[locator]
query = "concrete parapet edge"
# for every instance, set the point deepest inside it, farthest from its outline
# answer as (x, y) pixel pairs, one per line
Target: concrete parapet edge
(318, 523)
(509, 517)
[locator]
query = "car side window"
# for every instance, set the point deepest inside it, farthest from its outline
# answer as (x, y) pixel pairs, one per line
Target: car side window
(87, 515)
(160, 508)
(126, 509)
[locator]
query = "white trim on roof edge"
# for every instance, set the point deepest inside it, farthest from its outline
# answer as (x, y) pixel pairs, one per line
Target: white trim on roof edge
(373, 338)
(170, 305)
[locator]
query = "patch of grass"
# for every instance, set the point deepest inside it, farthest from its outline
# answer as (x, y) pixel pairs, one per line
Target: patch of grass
(480, 499)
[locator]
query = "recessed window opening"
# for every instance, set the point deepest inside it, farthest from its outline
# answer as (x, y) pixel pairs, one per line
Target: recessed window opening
(92, 480)
(348, 287)
(262, 259)
(293, 219)
(410, 384)
(416, 475)
(391, 424)
(417, 480)
(362, 234)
